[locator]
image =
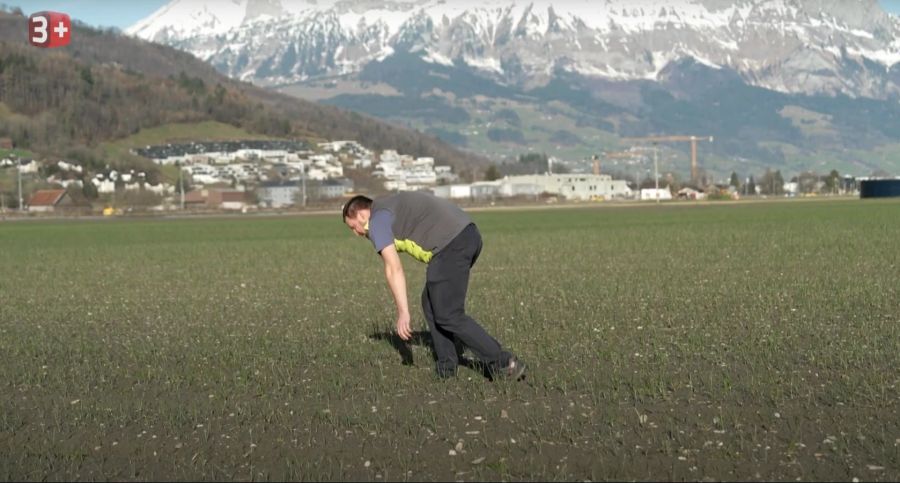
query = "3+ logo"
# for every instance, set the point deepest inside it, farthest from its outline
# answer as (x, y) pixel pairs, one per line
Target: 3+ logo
(49, 29)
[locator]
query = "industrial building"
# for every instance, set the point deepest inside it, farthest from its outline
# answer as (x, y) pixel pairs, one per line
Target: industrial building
(567, 186)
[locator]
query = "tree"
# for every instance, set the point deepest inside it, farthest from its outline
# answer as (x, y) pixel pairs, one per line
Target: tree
(771, 183)
(831, 181)
(76, 193)
(735, 181)
(87, 76)
(138, 198)
(88, 190)
(467, 175)
(751, 186)
(533, 158)
(492, 173)
(806, 181)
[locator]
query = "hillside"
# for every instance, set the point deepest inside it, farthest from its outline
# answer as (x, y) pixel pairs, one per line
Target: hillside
(105, 86)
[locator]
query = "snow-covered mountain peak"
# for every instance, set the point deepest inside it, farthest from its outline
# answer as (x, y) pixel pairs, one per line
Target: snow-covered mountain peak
(788, 45)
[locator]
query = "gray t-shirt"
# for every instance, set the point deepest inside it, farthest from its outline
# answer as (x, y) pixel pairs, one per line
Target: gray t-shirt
(416, 222)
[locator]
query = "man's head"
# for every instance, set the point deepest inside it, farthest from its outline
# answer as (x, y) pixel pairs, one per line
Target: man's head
(357, 212)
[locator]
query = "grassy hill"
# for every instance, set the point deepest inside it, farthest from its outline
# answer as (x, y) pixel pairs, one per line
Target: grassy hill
(178, 132)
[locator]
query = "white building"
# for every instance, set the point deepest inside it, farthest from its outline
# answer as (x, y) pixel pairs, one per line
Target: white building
(445, 173)
(509, 189)
(278, 194)
(791, 188)
(390, 156)
(160, 189)
(362, 163)
(104, 185)
(351, 147)
(69, 167)
(569, 186)
(453, 191)
(30, 168)
(420, 176)
(485, 189)
(397, 186)
(648, 194)
(405, 172)
(687, 193)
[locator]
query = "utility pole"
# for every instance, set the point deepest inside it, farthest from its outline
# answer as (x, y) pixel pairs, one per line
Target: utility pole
(656, 171)
(19, 172)
(112, 203)
(303, 182)
(181, 184)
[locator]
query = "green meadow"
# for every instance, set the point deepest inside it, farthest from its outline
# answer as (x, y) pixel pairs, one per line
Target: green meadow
(684, 341)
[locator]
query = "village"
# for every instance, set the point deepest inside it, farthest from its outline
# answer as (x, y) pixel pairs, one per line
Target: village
(258, 175)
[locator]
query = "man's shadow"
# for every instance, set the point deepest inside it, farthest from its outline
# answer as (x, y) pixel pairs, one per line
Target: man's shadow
(423, 338)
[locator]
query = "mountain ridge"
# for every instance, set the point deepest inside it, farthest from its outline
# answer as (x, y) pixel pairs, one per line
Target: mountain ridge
(784, 45)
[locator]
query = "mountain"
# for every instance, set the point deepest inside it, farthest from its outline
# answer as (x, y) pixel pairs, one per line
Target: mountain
(106, 86)
(790, 84)
(790, 46)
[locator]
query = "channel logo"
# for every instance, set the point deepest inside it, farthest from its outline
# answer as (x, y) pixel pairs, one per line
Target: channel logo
(49, 29)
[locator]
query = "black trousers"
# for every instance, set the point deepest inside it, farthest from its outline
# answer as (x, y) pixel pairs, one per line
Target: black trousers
(444, 304)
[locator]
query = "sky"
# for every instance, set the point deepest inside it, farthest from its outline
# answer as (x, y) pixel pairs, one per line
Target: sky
(97, 13)
(123, 14)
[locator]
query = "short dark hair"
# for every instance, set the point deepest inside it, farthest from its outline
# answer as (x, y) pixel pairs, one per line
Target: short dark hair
(358, 202)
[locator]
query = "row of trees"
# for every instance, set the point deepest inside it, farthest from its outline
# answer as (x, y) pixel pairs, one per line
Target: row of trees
(772, 183)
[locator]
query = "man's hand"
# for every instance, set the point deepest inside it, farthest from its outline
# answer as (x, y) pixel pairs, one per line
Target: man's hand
(403, 329)
(393, 271)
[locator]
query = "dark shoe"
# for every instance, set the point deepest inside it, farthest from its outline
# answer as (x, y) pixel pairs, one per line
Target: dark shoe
(514, 370)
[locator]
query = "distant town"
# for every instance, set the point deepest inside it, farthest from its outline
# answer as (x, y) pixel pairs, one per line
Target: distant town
(260, 174)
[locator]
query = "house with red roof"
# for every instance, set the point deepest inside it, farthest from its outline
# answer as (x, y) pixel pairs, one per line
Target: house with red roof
(49, 200)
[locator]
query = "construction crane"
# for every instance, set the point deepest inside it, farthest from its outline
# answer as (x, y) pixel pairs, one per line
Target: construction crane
(664, 139)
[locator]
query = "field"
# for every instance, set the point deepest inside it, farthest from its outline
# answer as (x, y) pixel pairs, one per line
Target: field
(680, 342)
(178, 132)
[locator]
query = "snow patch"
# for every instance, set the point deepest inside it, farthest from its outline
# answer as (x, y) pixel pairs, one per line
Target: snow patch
(484, 63)
(435, 57)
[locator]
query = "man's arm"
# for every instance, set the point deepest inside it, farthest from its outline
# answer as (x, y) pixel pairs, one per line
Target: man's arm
(393, 271)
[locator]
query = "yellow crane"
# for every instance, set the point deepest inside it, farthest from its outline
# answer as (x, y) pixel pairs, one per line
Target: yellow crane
(666, 139)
